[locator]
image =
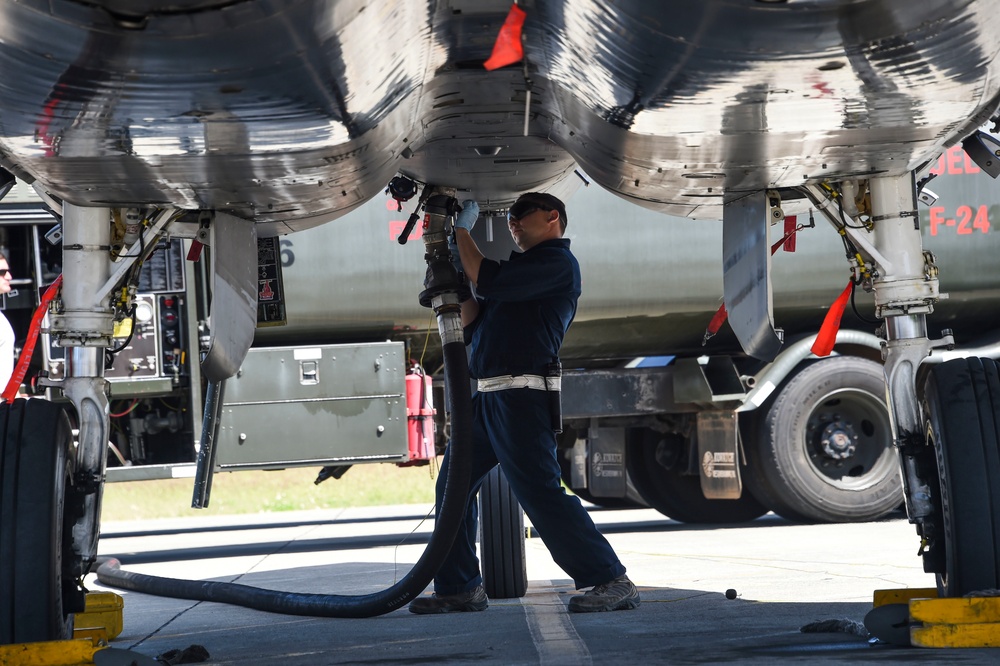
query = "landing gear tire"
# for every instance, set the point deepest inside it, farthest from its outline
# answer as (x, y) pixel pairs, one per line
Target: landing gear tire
(654, 464)
(501, 520)
(823, 450)
(35, 474)
(961, 405)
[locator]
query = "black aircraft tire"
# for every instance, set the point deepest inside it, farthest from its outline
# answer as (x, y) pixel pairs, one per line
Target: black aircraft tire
(822, 451)
(501, 520)
(961, 403)
(35, 468)
(677, 495)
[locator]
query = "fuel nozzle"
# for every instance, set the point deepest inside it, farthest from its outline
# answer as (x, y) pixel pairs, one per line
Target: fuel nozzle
(442, 275)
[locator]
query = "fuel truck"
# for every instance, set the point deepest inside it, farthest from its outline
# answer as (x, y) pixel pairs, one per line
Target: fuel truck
(660, 406)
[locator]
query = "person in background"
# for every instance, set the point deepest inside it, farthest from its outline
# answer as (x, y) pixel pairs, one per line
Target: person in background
(7, 339)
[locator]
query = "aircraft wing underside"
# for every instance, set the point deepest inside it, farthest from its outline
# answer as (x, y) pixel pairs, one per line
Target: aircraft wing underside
(293, 113)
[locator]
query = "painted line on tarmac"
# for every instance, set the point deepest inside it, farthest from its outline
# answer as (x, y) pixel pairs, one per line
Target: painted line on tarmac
(554, 635)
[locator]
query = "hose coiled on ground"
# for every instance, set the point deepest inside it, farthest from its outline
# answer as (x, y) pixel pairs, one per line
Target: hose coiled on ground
(447, 523)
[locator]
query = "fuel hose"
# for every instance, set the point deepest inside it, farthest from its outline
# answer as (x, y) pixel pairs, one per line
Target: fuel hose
(447, 523)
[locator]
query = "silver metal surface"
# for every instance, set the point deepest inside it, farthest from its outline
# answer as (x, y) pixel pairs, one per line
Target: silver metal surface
(620, 392)
(286, 114)
(352, 408)
(234, 300)
(768, 379)
(90, 400)
(905, 289)
(902, 360)
(904, 285)
(504, 382)
(902, 327)
(201, 495)
(86, 325)
(273, 401)
(707, 380)
(746, 275)
(449, 319)
(151, 472)
(135, 254)
(860, 236)
(718, 455)
(86, 318)
(986, 351)
(84, 362)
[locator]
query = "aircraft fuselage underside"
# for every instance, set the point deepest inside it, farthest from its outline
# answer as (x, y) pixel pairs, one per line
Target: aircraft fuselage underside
(228, 121)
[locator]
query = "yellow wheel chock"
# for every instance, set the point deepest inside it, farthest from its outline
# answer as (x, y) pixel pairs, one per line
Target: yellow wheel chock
(52, 653)
(946, 622)
(100, 622)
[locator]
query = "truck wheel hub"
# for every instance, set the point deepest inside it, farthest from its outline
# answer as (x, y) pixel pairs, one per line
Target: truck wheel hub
(838, 440)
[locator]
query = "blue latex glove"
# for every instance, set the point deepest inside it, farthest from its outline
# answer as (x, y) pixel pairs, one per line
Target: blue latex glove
(467, 218)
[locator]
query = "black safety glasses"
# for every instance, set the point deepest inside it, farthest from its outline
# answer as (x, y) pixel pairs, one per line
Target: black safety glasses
(522, 209)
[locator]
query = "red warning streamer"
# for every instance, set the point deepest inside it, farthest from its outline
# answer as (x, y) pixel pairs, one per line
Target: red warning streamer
(14, 384)
(718, 319)
(507, 49)
(791, 226)
(827, 335)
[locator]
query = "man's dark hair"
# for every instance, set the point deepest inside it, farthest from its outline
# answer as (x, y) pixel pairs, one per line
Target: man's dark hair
(547, 201)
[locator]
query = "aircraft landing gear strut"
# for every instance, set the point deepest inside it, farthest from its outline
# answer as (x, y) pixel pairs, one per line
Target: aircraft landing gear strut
(945, 416)
(48, 486)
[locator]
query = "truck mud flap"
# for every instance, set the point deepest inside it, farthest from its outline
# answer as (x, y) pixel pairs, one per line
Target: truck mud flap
(718, 454)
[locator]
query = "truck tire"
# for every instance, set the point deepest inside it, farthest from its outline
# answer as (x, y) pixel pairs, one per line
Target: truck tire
(35, 473)
(673, 493)
(961, 405)
(823, 450)
(501, 524)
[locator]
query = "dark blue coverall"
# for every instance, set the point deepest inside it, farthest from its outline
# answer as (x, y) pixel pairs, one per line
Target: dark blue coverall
(526, 306)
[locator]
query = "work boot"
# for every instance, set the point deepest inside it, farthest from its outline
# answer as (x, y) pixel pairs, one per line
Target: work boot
(463, 602)
(618, 594)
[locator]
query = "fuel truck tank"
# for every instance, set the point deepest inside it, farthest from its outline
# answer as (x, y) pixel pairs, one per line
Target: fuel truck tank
(651, 282)
(806, 438)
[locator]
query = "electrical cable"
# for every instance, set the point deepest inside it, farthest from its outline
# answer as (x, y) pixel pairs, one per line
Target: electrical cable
(430, 326)
(135, 403)
(133, 280)
(854, 307)
(843, 218)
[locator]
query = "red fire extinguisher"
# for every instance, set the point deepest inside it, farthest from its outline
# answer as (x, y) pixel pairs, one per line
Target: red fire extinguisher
(419, 414)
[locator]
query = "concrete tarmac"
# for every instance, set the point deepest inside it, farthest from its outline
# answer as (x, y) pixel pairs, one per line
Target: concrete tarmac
(785, 575)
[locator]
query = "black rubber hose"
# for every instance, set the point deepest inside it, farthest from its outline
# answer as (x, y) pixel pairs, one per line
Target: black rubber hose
(447, 523)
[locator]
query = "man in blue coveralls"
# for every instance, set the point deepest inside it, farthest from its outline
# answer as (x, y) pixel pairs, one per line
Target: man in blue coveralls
(515, 327)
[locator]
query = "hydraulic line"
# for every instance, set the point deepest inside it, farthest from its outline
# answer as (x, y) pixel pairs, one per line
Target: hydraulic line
(447, 523)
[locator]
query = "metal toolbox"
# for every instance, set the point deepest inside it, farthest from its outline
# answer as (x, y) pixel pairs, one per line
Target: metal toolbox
(321, 405)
